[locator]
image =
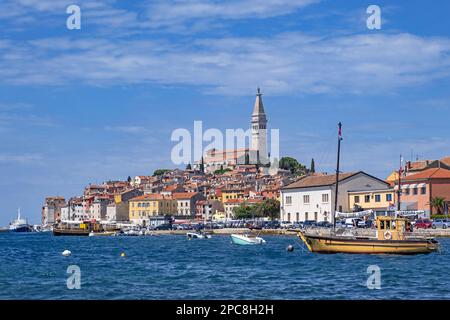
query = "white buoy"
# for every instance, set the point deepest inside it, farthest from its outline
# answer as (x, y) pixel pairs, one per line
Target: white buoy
(66, 253)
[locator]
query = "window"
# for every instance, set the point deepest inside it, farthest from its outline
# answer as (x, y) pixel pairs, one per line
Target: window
(423, 190)
(325, 198)
(289, 216)
(377, 198)
(306, 199)
(297, 215)
(388, 197)
(407, 191)
(367, 198)
(288, 200)
(315, 216)
(415, 191)
(306, 216)
(356, 199)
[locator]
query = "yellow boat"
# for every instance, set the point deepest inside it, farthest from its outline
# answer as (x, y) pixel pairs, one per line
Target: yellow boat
(390, 237)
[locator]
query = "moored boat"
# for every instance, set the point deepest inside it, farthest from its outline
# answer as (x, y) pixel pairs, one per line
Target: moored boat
(390, 237)
(197, 235)
(73, 228)
(244, 239)
(20, 224)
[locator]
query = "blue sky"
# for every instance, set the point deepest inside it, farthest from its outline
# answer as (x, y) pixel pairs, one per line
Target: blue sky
(81, 106)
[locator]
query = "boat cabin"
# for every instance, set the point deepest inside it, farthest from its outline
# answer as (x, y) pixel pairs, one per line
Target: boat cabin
(390, 228)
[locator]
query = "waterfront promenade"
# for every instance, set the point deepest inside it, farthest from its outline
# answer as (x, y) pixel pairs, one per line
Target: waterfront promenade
(437, 233)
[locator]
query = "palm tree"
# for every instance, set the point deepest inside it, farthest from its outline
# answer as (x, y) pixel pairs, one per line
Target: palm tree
(438, 203)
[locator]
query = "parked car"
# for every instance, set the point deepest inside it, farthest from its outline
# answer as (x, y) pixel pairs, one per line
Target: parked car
(309, 223)
(297, 225)
(351, 222)
(441, 223)
(340, 224)
(423, 224)
(364, 224)
(324, 224)
(271, 225)
(165, 226)
(286, 224)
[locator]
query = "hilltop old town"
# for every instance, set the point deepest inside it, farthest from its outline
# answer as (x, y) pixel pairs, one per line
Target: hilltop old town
(226, 185)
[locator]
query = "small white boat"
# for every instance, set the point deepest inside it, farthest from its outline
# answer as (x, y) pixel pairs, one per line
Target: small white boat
(195, 235)
(244, 239)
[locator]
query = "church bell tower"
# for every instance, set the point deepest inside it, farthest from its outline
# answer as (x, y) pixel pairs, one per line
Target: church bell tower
(259, 128)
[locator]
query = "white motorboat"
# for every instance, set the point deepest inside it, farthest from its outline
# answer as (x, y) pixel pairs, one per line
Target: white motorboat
(244, 239)
(195, 235)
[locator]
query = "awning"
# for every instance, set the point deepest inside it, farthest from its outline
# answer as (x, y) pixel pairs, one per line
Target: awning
(412, 186)
(405, 186)
(421, 185)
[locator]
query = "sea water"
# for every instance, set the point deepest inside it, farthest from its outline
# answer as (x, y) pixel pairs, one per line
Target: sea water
(171, 267)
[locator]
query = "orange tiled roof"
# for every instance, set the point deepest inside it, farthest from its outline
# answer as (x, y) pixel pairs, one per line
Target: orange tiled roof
(184, 195)
(433, 173)
(446, 160)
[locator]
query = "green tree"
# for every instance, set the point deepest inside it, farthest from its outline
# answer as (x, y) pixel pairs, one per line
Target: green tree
(312, 168)
(291, 164)
(221, 171)
(188, 167)
(129, 179)
(244, 211)
(438, 203)
(202, 166)
(160, 172)
(269, 208)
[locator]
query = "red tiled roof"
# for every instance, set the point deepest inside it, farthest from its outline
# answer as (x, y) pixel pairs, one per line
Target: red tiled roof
(433, 173)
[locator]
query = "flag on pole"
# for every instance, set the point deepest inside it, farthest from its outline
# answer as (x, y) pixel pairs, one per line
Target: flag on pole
(340, 131)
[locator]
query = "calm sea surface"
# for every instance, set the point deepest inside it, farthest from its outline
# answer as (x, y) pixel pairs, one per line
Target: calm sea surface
(171, 267)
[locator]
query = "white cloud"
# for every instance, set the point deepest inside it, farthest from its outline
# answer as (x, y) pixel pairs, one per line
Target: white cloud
(172, 15)
(20, 159)
(284, 63)
(169, 13)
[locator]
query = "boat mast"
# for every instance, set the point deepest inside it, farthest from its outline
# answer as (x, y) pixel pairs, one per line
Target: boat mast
(399, 191)
(337, 174)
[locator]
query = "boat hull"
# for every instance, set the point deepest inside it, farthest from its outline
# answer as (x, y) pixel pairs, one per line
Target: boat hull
(243, 240)
(333, 244)
(21, 229)
(70, 232)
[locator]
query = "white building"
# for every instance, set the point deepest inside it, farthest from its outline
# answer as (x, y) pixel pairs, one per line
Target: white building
(313, 197)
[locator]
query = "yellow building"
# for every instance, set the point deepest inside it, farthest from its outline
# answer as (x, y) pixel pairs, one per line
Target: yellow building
(393, 178)
(230, 194)
(377, 200)
(146, 206)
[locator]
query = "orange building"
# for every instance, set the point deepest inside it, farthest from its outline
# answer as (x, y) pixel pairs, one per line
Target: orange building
(419, 189)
